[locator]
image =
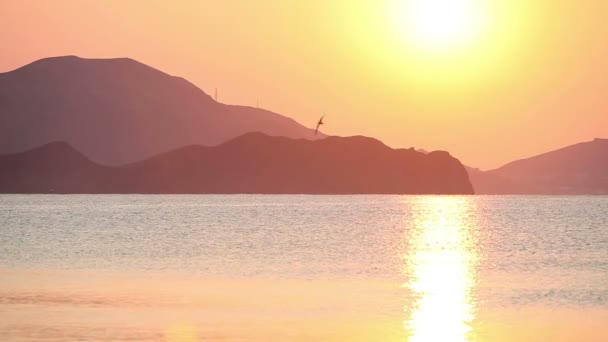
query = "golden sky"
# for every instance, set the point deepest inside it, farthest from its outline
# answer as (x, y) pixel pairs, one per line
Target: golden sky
(488, 80)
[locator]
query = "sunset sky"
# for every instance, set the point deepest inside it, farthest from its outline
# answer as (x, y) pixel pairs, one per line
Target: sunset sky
(490, 81)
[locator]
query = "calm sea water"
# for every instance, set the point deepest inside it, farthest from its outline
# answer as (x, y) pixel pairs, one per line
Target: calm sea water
(387, 268)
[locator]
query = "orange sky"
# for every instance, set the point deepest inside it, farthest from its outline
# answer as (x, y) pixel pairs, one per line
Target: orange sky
(537, 81)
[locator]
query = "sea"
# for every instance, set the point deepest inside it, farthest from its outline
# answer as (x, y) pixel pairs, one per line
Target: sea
(303, 268)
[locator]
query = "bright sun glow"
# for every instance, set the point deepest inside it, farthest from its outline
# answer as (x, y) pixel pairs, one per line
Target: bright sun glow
(440, 25)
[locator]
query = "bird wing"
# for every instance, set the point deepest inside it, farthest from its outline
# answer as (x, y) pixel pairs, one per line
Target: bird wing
(319, 124)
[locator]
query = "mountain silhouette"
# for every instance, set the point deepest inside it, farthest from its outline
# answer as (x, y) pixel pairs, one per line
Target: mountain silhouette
(252, 163)
(118, 111)
(577, 169)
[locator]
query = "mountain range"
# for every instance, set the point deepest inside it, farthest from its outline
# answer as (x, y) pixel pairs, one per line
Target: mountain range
(252, 163)
(95, 118)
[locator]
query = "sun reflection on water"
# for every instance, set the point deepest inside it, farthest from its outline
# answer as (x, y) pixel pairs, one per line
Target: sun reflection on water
(181, 332)
(441, 264)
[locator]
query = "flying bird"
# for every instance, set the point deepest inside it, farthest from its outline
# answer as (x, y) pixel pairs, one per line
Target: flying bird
(319, 124)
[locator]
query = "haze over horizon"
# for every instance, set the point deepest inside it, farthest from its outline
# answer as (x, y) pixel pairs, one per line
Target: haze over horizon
(531, 82)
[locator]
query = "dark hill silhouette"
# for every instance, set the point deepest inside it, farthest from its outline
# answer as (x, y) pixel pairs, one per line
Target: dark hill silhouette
(54, 167)
(577, 169)
(252, 163)
(117, 111)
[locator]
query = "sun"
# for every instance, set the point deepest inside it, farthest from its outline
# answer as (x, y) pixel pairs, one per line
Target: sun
(440, 25)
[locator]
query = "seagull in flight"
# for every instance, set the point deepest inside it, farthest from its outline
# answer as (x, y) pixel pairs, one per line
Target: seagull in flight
(319, 124)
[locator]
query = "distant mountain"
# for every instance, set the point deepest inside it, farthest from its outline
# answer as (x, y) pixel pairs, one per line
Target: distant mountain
(118, 111)
(576, 169)
(252, 163)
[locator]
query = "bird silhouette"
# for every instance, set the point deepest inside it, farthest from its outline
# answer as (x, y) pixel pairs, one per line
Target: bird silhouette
(319, 124)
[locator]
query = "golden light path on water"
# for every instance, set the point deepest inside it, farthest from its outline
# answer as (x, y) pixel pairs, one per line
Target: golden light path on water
(441, 270)
(181, 332)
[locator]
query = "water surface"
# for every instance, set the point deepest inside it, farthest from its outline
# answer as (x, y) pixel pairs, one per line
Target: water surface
(342, 268)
